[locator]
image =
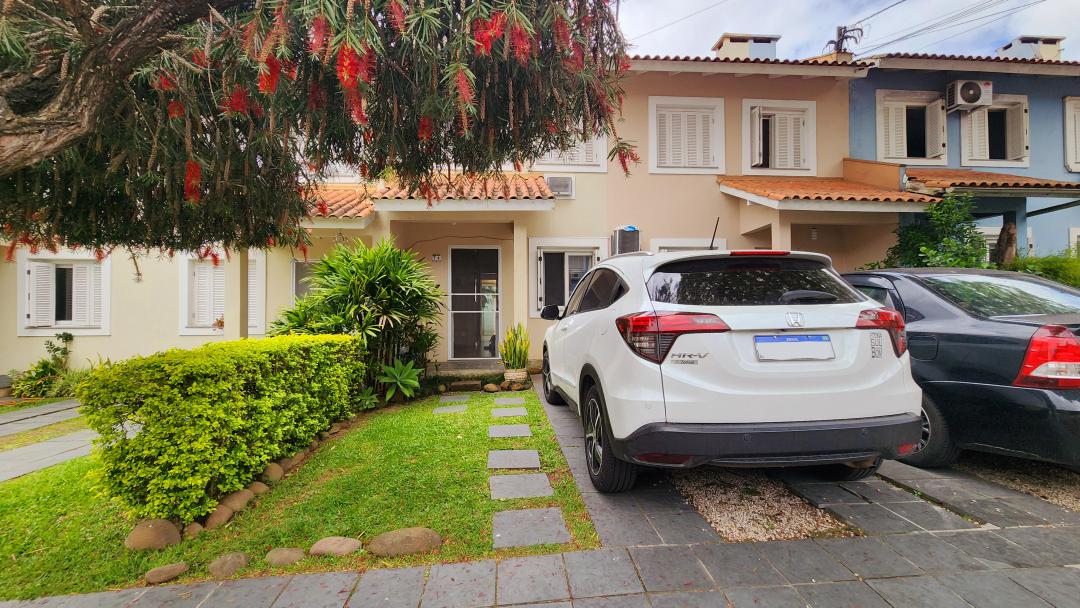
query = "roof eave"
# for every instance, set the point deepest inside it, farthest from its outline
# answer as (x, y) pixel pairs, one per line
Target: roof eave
(1016, 192)
(749, 68)
(975, 65)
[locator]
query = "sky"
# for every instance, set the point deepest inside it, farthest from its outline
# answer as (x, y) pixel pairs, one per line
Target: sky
(971, 27)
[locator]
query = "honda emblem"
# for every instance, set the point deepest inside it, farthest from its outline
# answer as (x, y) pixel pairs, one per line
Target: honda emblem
(794, 319)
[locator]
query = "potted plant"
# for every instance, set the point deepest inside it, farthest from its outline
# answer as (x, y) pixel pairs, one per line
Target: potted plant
(514, 351)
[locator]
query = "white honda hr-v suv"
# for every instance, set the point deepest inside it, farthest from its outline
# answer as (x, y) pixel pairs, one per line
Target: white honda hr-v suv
(731, 358)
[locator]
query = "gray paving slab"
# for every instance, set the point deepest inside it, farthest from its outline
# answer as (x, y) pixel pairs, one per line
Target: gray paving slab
(849, 594)
(466, 585)
(450, 409)
(618, 601)
(327, 590)
(1043, 509)
(869, 557)
(737, 565)
(873, 519)
(453, 398)
(247, 592)
(175, 596)
(681, 527)
(1059, 546)
(989, 589)
(399, 588)
(509, 412)
(36, 411)
(27, 459)
(509, 401)
(539, 578)
(929, 516)
(876, 490)
(29, 424)
(513, 459)
(687, 599)
(107, 599)
(509, 430)
(932, 554)
(618, 519)
(996, 511)
(670, 568)
(545, 605)
(601, 572)
(525, 485)
(1059, 586)
(947, 491)
(528, 527)
(893, 469)
(804, 561)
(822, 494)
(919, 592)
(770, 597)
(993, 550)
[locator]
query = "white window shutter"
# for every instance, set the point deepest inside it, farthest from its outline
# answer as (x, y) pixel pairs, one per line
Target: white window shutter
(782, 152)
(693, 140)
(253, 293)
(892, 128)
(201, 294)
(97, 292)
(663, 138)
(81, 295)
(797, 123)
(935, 129)
(977, 136)
(1072, 135)
(41, 294)
(707, 159)
(218, 290)
(588, 152)
(757, 153)
(677, 132)
(1016, 132)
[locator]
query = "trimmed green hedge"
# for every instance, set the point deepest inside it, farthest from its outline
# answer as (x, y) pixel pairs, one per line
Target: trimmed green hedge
(205, 422)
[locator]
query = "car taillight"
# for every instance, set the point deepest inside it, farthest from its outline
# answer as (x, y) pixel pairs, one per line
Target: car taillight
(1052, 360)
(889, 320)
(651, 334)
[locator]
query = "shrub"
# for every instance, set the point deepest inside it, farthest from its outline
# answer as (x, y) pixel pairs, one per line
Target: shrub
(1063, 267)
(514, 349)
(400, 378)
(182, 428)
(42, 377)
(947, 237)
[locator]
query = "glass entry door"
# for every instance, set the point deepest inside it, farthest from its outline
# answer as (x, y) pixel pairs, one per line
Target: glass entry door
(474, 303)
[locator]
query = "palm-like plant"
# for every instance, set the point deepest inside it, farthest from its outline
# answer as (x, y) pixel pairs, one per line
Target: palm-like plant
(514, 349)
(400, 377)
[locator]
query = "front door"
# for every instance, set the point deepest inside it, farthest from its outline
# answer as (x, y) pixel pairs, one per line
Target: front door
(474, 303)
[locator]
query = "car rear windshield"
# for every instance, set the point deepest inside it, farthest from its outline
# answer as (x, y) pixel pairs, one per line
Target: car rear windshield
(747, 281)
(999, 296)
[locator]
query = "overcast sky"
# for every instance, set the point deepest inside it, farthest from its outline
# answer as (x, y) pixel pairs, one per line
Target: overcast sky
(975, 27)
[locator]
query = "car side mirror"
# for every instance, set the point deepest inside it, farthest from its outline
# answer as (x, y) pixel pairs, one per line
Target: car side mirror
(550, 312)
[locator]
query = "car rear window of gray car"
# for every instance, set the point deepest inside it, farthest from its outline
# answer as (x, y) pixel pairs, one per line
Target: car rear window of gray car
(999, 296)
(745, 281)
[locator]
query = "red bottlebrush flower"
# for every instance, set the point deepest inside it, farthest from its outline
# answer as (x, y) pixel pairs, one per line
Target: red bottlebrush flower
(238, 100)
(624, 64)
(192, 181)
(551, 127)
(323, 208)
(497, 25)
(318, 35)
(364, 170)
(517, 165)
(270, 241)
(626, 156)
(268, 77)
(200, 59)
(175, 108)
(561, 30)
(396, 15)
(99, 255)
(585, 24)
(166, 82)
(303, 249)
(424, 129)
(289, 68)
(464, 87)
(354, 102)
(521, 42)
(257, 110)
(316, 99)
(354, 68)
(248, 41)
(215, 258)
(576, 61)
(34, 248)
(482, 39)
(10, 255)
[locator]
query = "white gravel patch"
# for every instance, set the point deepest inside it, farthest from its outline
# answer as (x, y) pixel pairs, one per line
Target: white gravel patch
(745, 505)
(1050, 482)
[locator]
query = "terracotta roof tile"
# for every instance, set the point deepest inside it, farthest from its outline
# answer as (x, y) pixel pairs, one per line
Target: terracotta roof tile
(992, 58)
(761, 61)
(345, 201)
(511, 186)
(818, 189)
(966, 178)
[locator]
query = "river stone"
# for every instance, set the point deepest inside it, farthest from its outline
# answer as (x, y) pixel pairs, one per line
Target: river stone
(517, 386)
(286, 463)
(221, 515)
(238, 499)
(273, 472)
(283, 556)
(152, 534)
(323, 435)
(258, 488)
(335, 428)
(491, 388)
(505, 385)
(164, 574)
(228, 564)
(335, 545)
(404, 542)
(442, 388)
(192, 530)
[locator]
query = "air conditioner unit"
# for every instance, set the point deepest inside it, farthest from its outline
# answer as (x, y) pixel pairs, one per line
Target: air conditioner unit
(562, 186)
(625, 239)
(969, 94)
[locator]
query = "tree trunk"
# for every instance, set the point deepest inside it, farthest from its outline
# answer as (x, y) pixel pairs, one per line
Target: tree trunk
(1005, 250)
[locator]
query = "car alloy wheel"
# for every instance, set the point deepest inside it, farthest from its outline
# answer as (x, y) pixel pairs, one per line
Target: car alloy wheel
(594, 436)
(924, 438)
(545, 375)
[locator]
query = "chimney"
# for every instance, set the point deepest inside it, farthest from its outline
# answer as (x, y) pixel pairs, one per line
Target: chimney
(746, 46)
(1033, 47)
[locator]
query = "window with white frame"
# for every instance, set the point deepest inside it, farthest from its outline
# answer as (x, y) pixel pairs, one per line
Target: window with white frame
(559, 265)
(203, 295)
(996, 136)
(990, 238)
(64, 291)
(301, 272)
(686, 135)
(1072, 133)
(585, 156)
(911, 127)
(666, 245)
(779, 137)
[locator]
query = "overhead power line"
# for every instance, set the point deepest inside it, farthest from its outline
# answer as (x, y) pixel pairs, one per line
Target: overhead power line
(872, 15)
(1007, 13)
(680, 19)
(941, 22)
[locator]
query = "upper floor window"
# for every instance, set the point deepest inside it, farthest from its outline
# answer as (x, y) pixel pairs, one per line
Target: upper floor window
(686, 135)
(911, 127)
(1072, 133)
(585, 156)
(63, 291)
(779, 137)
(996, 136)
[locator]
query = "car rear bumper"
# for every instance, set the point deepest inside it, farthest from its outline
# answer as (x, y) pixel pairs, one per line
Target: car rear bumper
(684, 445)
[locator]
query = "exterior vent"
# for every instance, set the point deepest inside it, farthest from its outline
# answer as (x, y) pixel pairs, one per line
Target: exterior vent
(625, 239)
(969, 94)
(562, 186)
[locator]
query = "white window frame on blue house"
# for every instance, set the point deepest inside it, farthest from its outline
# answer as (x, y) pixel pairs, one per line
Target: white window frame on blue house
(891, 119)
(1020, 138)
(1071, 107)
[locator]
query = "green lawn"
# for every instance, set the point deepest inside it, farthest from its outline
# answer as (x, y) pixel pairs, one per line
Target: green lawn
(397, 468)
(42, 433)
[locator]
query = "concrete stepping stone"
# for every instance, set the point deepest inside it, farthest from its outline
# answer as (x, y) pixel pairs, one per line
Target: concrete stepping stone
(509, 412)
(509, 401)
(509, 430)
(329, 589)
(528, 527)
(528, 485)
(453, 398)
(513, 459)
(399, 587)
(528, 580)
(465, 585)
(449, 409)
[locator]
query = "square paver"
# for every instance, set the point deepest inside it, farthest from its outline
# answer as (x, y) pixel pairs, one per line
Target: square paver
(819, 494)
(247, 592)
(998, 512)
(509, 412)
(619, 601)
(876, 490)
(1059, 586)
(465, 585)
(513, 459)
(930, 517)
(868, 557)
(849, 593)
(993, 550)
(991, 589)
(737, 565)
(539, 578)
(873, 519)
(917, 591)
(105, 599)
(687, 599)
(1043, 509)
(329, 590)
(175, 596)
(509, 401)
(449, 409)
(526, 485)
(1059, 546)
(601, 572)
(803, 561)
(527, 527)
(619, 523)
(509, 430)
(399, 588)
(932, 554)
(772, 597)
(670, 568)
(453, 398)
(681, 527)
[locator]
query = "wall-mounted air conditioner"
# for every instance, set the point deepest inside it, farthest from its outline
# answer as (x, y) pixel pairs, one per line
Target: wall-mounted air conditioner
(969, 94)
(562, 186)
(625, 239)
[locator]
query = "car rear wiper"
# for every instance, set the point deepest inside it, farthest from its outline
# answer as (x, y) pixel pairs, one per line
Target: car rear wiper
(807, 295)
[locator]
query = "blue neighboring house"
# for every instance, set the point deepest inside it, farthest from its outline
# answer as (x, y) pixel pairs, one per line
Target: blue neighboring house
(1005, 128)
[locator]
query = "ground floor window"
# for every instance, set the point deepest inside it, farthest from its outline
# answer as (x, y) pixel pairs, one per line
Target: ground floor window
(559, 264)
(203, 288)
(301, 271)
(62, 293)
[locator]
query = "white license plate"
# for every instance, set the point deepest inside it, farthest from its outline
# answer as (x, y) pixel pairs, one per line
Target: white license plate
(794, 348)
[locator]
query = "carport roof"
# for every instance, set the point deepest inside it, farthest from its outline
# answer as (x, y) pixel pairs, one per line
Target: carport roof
(783, 188)
(939, 181)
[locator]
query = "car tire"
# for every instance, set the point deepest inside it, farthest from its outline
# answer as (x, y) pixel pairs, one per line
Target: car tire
(607, 473)
(936, 448)
(842, 472)
(551, 395)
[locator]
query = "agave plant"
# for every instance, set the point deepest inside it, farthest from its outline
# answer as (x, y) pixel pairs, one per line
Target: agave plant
(514, 349)
(400, 377)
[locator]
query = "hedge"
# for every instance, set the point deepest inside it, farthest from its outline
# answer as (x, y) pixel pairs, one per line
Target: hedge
(182, 428)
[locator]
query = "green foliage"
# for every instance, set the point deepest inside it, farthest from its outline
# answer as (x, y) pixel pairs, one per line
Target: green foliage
(514, 349)
(1063, 267)
(947, 238)
(182, 428)
(42, 378)
(400, 377)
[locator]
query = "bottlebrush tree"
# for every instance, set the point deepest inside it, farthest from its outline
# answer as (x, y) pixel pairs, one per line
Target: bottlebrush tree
(174, 124)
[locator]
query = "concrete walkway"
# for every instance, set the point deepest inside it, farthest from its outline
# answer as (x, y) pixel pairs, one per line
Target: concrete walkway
(30, 418)
(37, 456)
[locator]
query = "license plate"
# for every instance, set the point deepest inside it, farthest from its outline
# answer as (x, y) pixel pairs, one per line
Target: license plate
(794, 348)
